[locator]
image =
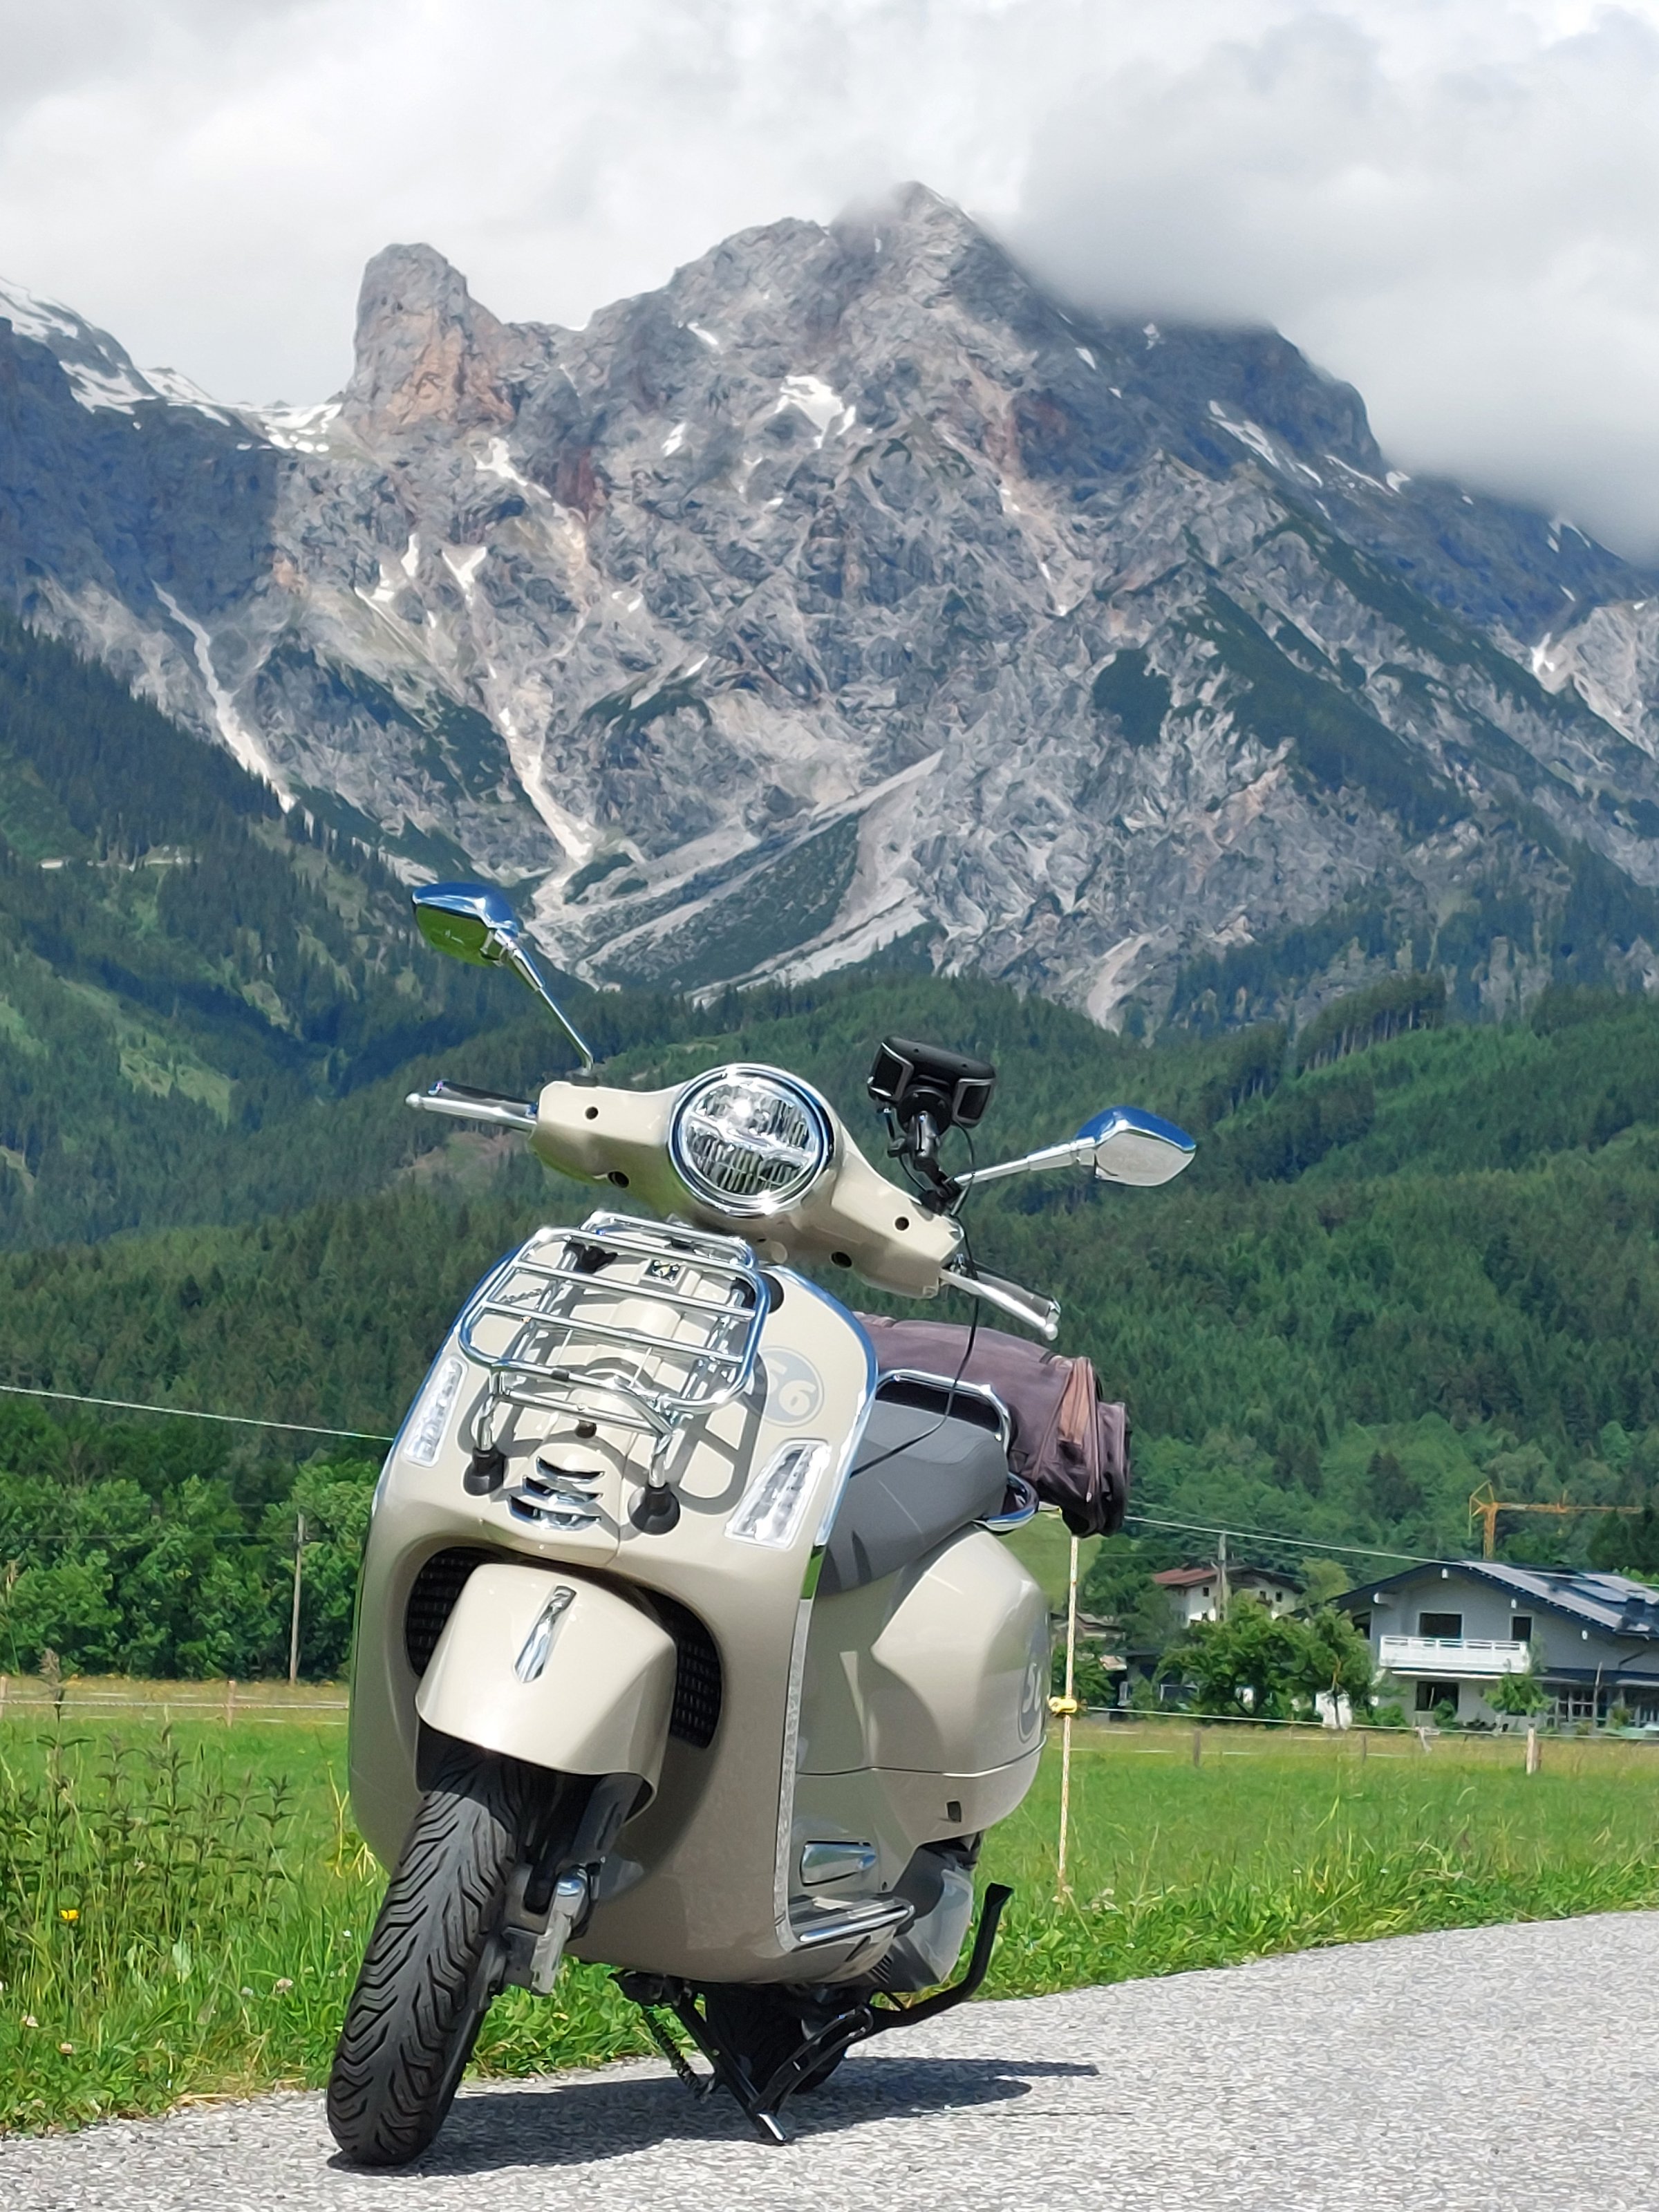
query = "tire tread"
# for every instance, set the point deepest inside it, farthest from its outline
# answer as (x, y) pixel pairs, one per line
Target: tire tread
(431, 1967)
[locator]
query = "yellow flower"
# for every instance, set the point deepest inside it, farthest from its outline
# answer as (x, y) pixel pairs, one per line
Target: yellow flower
(69, 1912)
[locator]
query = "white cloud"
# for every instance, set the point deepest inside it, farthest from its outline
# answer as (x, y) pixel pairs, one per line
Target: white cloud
(1452, 202)
(1473, 241)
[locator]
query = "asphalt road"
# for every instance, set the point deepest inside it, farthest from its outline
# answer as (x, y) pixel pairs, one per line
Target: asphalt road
(1478, 2071)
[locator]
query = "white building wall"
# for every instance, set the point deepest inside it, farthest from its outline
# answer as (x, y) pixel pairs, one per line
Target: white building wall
(1490, 1612)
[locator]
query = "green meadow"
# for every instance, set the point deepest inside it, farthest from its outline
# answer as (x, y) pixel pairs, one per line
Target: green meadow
(183, 1902)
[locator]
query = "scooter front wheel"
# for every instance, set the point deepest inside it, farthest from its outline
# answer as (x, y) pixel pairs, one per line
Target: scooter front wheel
(433, 1962)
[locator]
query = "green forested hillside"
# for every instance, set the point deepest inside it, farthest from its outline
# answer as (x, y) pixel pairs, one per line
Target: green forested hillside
(1461, 1286)
(1412, 1254)
(180, 964)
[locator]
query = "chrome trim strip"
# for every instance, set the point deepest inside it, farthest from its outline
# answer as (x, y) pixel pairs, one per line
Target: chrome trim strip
(870, 1916)
(532, 1662)
(982, 1391)
(787, 1938)
(999, 1524)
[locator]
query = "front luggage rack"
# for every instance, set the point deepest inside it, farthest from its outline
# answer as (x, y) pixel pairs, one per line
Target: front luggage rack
(549, 1325)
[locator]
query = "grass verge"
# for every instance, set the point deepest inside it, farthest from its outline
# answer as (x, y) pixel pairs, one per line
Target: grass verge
(182, 1907)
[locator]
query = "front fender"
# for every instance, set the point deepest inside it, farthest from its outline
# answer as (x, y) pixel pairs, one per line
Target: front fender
(547, 1666)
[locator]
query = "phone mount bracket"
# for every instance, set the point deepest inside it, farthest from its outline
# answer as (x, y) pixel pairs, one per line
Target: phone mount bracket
(924, 1091)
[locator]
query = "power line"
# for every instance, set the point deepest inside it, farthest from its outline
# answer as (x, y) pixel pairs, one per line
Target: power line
(192, 1414)
(1297, 1543)
(376, 1437)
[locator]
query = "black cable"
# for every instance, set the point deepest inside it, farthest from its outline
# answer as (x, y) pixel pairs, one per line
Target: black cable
(967, 1350)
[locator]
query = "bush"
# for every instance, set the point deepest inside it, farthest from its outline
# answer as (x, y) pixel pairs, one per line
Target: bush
(1256, 1665)
(1090, 1683)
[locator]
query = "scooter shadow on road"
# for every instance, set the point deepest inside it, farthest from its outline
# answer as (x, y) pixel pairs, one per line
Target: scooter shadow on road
(583, 2122)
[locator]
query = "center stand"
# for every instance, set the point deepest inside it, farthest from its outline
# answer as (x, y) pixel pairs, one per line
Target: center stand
(817, 2051)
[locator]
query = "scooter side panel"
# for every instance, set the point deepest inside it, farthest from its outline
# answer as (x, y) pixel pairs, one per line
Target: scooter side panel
(898, 1811)
(942, 1668)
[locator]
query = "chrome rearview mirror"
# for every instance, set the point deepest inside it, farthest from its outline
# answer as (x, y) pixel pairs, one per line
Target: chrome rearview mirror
(476, 923)
(469, 921)
(1123, 1144)
(1129, 1146)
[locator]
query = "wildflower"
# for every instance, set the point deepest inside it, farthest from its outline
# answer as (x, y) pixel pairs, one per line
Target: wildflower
(29, 2020)
(284, 1983)
(69, 1912)
(67, 2050)
(244, 1990)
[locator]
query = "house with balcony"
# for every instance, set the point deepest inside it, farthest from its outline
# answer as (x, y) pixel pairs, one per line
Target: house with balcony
(1194, 1593)
(1447, 1632)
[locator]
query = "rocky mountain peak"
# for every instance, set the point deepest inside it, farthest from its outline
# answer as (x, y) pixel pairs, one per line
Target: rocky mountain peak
(853, 595)
(427, 353)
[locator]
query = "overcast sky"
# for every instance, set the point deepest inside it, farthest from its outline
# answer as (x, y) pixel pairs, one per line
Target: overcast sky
(1455, 203)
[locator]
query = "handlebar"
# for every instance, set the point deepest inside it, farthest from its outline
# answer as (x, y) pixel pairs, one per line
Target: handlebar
(460, 1101)
(1029, 1306)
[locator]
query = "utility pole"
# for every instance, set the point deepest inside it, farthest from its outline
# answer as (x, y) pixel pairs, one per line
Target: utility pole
(293, 1618)
(1221, 1574)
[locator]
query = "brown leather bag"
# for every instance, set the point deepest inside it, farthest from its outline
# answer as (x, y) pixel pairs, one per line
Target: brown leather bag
(1068, 1443)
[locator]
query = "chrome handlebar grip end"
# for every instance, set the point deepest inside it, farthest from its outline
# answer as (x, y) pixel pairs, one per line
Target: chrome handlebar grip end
(462, 1104)
(1036, 1312)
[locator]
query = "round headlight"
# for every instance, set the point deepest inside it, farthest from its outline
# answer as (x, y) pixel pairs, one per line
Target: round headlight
(748, 1139)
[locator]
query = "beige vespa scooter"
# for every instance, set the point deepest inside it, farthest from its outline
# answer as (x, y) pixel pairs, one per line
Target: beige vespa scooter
(685, 1641)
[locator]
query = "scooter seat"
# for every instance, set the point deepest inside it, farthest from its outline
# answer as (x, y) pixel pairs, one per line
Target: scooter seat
(921, 1474)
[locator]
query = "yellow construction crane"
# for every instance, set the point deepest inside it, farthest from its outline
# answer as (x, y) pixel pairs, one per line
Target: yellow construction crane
(1483, 1505)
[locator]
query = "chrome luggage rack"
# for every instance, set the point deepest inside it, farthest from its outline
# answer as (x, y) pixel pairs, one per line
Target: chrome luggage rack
(536, 1324)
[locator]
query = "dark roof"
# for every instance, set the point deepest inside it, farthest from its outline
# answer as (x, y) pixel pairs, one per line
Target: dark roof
(1616, 1604)
(1186, 1577)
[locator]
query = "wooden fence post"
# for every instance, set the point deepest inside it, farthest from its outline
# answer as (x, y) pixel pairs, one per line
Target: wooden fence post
(1068, 1708)
(294, 1622)
(1198, 1746)
(1532, 1751)
(230, 1701)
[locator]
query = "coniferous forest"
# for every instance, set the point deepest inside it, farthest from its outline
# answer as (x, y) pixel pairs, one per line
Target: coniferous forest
(1415, 1253)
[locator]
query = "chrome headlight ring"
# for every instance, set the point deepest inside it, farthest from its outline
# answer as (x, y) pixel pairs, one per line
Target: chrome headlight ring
(750, 1141)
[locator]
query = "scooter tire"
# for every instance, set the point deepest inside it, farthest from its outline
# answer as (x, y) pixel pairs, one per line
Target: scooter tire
(433, 1966)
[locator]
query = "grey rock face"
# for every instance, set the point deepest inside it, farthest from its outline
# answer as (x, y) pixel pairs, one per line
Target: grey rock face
(845, 596)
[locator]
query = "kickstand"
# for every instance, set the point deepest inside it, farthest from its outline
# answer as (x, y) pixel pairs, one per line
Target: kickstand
(656, 1993)
(698, 2084)
(830, 2040)
(729, 2071)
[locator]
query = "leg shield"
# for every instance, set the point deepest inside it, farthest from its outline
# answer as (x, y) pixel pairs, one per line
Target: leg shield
(546, 1666)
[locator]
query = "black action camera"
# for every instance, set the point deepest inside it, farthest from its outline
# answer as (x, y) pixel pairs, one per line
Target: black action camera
(910, 1079)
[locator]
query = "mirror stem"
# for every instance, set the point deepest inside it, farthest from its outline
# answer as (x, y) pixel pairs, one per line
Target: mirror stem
(527, 972)
(1076, 1153)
